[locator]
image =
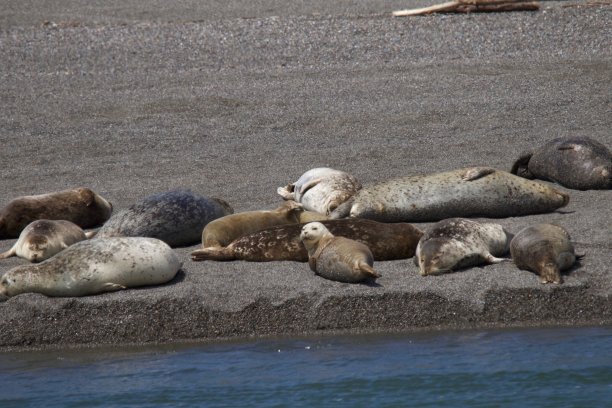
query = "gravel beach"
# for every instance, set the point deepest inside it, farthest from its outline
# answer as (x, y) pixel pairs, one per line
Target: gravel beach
(235, 100)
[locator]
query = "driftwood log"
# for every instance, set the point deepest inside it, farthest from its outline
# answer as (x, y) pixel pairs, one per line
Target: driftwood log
(472, 6)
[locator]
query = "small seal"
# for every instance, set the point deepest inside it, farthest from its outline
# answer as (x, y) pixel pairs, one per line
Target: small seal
(95, 266)
(81, 206)
(42, 239)
(387, 241)
(321, 189)
(457, 243)
(469, 192)
(176, 217)
(579, 163)
(544, 249)
(337, 258)
(222, 231)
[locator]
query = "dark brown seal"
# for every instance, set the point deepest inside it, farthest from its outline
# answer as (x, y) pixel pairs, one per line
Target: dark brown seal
(81, 206)
(580, 163)
(386, 241)
(544, 249)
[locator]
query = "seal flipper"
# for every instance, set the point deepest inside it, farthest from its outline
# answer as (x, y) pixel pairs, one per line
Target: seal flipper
(521, 166)
(364, 267)
(11, 252)
(309, 185)
(493, 260)
(90, 234)
(343, 210)
(213, 254)
(112, 287)
(286, 192)
(568, 146)
(474, 173)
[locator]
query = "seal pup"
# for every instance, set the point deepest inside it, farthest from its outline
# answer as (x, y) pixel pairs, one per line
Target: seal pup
(544, 249)
(176, 217)
(95, 266)
(321, 189)
(222, 231)
(337, 258)
(386, 241)
(81, 206)
(42, 239)
(579, 163)
(457, 243)
(468, 192)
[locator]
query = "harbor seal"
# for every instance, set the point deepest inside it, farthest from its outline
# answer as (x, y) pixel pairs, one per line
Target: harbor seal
(95, 266)
(387, 241)
(321, 189)
(222, 231)
(42, 239)
(469, 192)
(544, 249)
(457, 243)
(579, 163)
(176, 217)
(81, 206)
(337, 258)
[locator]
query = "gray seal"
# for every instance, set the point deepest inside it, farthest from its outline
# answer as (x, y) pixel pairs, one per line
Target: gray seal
(95, 266)
(457, 243)
(321, 189)
(579, 163)
(545, 249)
(81, 206)
(337, 258)
(469, 192)
(176, 217)
(386, 241)
(42, 239)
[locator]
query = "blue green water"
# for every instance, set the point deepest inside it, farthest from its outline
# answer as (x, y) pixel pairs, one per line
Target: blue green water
(567, 367)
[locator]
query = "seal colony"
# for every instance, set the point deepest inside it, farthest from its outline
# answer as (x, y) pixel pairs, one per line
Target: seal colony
(133, 247)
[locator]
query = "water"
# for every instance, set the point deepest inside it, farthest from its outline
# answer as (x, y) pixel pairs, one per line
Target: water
(568, 367)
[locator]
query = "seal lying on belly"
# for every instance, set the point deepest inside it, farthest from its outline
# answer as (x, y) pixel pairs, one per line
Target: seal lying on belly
(337, 258)
(469, 192)
(95, 266)
(456, 243)
(544, 249)
(42, 239)
(387, 241)
(580, 163)
(176, 217)
(321, 189)
(81, 206)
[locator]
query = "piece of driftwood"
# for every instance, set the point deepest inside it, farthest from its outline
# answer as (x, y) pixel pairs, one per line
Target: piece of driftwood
(472, 6)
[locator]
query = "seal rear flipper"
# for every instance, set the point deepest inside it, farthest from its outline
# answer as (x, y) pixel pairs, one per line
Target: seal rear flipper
(112, 287)
(286, 193)
(213, 254)
(11, 252)
(90, 234)
(343, 210)
(521, 166)
(364, 267)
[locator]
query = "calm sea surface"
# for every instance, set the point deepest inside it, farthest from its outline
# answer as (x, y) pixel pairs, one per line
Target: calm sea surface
(523, 368)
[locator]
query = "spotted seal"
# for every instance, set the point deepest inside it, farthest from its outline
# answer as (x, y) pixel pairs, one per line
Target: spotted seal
(321, 189)
(81, 206)
(42, 239)
(95, 266)
(337, 258)
(457, 243)
(579, 163)
(387, 241)
(544, 249)
(222, 231)
(176, 217)
(469, 192)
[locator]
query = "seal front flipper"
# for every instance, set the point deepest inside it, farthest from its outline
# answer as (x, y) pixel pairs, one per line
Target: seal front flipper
(491, 259)
(343, 210)
(112, 287)
(309, 185)
(9, 253)
(475, 173)
(521, 166)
